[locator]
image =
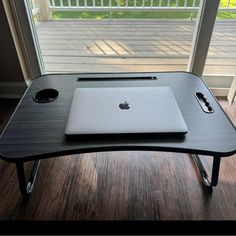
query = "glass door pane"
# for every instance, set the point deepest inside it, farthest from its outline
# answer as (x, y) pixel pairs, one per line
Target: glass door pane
(115, 36)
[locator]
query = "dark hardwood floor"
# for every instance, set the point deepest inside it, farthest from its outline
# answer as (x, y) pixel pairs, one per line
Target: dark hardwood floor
(126, 185)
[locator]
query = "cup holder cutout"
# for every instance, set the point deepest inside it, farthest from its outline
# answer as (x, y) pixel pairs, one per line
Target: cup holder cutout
(205, 105)
(46, 95)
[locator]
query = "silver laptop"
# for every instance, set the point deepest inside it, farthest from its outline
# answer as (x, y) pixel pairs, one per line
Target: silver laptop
(124, 110)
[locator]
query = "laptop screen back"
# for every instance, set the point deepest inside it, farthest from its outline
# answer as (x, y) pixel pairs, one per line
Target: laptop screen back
(124, 110)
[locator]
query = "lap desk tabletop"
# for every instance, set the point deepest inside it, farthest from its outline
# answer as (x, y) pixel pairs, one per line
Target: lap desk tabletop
(36, 130)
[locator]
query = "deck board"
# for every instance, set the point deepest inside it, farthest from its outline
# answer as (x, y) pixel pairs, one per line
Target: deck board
(132, 45)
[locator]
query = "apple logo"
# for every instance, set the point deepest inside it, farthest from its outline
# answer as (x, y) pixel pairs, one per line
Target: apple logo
(124, 106)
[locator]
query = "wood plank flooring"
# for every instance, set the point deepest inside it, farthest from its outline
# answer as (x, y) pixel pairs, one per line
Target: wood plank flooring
(132, 45)
(121, 186)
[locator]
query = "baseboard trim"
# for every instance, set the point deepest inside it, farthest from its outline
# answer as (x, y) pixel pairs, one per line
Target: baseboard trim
(219, 84)
(220, 92)
(232, 92)
(12, 89)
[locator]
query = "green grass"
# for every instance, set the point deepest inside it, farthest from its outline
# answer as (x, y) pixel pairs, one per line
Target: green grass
(121, 15)
(136, 14)
(226, 15)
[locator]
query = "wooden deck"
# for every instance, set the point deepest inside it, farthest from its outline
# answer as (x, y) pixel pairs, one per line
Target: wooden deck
(132, 45)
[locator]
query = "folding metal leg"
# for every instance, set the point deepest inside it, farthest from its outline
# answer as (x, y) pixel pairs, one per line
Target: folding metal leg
(209, 183)
(27, 187)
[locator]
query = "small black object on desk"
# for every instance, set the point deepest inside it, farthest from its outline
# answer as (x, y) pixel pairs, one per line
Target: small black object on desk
(36, 129)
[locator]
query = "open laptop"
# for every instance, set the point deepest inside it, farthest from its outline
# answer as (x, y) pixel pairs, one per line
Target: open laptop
(124, 110)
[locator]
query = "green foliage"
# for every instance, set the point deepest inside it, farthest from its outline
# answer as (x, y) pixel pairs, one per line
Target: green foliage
(224, 3)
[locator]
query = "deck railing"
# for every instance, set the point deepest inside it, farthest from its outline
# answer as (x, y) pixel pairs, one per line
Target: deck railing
(124, 5)
(34, 7)
(117, 5)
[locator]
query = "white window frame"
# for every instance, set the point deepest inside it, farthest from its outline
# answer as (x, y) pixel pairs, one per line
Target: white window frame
(26, 37)
(202, 35)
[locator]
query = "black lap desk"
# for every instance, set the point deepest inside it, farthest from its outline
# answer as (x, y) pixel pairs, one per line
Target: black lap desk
(36, 130)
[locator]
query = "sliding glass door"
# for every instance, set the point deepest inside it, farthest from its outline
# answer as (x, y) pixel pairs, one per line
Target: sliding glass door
(114, 36)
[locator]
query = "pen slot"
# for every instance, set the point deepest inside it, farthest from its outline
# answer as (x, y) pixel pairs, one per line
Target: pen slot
(204, 103)
(102, 78)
